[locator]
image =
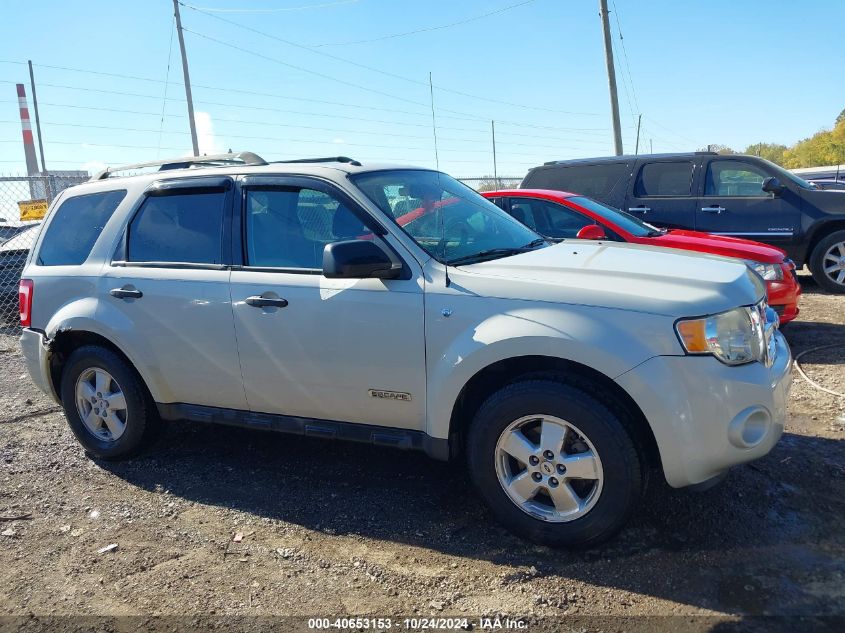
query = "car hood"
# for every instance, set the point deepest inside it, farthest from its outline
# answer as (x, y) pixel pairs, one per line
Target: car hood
(827, 200)
(719, 245)
(613, 275)
(20, 242)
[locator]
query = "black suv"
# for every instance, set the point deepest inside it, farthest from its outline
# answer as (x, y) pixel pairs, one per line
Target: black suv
(736, 195)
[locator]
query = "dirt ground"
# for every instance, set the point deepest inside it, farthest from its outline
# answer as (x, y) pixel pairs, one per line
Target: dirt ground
(335, 529)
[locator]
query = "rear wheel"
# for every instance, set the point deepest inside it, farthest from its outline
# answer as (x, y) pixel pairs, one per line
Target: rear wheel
(106, 404)
(827, 263)
(554, 464)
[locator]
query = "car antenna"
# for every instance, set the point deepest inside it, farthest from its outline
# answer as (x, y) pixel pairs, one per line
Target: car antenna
(437, 165)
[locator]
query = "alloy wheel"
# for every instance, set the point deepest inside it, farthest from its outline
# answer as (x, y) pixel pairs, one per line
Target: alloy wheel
(833, 263)
(549, 468)
(101, 404)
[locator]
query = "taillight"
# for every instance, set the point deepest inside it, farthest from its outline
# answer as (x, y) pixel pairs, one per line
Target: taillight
(25, 288)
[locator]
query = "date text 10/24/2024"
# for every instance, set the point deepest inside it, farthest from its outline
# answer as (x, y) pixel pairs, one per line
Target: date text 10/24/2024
(417, 624)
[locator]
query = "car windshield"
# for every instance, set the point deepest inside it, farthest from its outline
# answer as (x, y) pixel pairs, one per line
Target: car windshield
(450, 221)
(626, 221)
(785, 174)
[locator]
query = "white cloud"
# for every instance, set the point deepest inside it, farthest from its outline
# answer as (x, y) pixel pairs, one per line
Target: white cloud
(206, 140)
(339, 141)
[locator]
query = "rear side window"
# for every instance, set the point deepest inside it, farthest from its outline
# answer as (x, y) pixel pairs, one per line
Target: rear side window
(178, 228)
(664, 179)
(595, 181)
(75, 226)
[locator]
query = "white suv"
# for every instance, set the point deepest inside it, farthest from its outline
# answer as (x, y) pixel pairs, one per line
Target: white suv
(396, 306)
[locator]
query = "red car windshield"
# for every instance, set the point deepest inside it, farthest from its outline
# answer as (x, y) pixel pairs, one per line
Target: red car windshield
(450, 221)
(623, 220)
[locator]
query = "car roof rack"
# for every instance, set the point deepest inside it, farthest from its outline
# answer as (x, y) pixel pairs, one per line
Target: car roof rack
(328, 159)
(213, 160)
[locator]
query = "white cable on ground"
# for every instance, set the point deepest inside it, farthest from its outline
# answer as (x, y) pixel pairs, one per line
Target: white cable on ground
(807, 378)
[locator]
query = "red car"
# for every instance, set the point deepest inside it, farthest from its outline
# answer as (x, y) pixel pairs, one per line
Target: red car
(560, 215)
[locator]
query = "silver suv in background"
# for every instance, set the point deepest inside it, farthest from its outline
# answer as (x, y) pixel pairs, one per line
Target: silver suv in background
(396, 306)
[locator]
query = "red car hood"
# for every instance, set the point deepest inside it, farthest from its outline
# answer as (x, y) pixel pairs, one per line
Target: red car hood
(719, 245)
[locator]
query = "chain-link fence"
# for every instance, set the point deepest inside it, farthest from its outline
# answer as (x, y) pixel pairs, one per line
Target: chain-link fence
(492, 183)
(22, 200)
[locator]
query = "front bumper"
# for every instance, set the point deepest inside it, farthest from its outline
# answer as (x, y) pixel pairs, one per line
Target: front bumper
(37, 354)
(707, 416)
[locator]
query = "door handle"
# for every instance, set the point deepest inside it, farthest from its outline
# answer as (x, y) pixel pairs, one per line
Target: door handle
(640, 209)
(716, 209)
(264, 302)
(126, 293)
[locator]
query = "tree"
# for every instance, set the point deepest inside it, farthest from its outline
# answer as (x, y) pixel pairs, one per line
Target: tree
(840, 118)
(770, 151)
(718, 148)
(823, 148)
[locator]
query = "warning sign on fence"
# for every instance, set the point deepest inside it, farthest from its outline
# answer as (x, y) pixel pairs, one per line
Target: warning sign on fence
(33, 209)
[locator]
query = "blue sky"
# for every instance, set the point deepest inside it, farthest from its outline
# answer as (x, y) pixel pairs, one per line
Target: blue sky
(721, 71)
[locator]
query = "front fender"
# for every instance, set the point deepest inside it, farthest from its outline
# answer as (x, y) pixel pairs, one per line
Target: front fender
(607, 340)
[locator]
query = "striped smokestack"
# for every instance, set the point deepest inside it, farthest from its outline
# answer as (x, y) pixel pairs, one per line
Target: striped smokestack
(26, 128)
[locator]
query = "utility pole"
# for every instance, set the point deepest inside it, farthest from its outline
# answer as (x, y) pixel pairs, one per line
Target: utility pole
(611, 77)
(47, 192)
(187, 79)
(495, 168)
(651, 146)
(637, 146)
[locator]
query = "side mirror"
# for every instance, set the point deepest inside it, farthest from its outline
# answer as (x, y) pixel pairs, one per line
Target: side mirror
(772, 185)
(591, 232)
(358, 259)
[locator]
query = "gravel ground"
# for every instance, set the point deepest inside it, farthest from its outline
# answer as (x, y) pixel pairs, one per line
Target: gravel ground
(221, 521)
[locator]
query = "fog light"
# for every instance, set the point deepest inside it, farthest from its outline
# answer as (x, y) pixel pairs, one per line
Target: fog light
(749, 427)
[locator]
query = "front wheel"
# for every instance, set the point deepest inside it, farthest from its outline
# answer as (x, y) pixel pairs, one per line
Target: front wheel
(554, 464)
(827, 263)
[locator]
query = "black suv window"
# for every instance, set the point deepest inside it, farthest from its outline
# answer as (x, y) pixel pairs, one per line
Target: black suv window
(595, 181)
(289, 227)
(664, 179)
(734, 178)
(178, 227)
(75, 226)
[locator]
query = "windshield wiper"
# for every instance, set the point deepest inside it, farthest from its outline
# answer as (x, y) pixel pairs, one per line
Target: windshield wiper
(494, 253)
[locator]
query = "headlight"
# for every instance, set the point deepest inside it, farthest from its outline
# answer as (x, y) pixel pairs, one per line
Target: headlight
(769, 272)
(738, 336)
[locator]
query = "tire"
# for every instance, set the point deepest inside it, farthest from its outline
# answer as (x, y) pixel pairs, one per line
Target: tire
(141, 424)
(823, 253)
(614, 495)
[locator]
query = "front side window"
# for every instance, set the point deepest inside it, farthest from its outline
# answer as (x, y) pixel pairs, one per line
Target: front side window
(664, 179)
(178, 228)
(289, 227)
(75, 226)
(451, 222)
(734, 178)
(547, 218)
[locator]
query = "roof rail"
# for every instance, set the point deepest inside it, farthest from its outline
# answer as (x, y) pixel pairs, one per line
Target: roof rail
(328, 159)
(232, 158)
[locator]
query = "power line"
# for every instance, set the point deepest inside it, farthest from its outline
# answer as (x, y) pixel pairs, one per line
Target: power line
(280, 10)
(430, 28)
(282, 140)
(166, 78)
(625, 55)
(465, 117)
(301, 69)
(418, 82)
